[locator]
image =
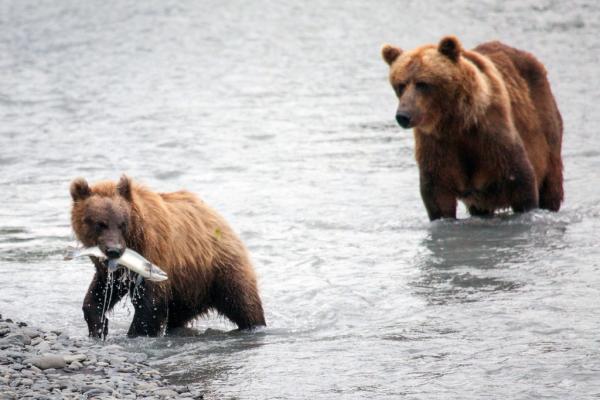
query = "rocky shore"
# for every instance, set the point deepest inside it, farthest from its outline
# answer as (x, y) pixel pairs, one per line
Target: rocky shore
(35, 364)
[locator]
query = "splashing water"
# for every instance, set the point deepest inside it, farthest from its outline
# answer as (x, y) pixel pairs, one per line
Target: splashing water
(108, 292)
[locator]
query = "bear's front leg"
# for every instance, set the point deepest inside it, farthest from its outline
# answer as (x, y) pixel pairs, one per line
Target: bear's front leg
(439, 201)
(151, 310)
(99, 300)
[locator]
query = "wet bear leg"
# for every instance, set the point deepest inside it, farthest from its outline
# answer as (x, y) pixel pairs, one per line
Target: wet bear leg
(151, 311)
(551, 191)
(522, 185)
(236, 296)
(479, 212)
(439, 202)
(99, 300)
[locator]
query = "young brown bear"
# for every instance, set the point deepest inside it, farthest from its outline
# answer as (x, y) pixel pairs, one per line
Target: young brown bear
(207, 264)
(486, 126)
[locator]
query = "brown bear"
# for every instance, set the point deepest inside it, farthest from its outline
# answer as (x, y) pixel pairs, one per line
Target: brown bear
(207, 264)
(486, 126)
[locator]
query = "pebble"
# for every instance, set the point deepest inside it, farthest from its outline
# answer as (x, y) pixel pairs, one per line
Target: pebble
(74, 357)
(26, 382)
(75, 365)
(7, 395)
(166, 393)
(97, 388)
(31, 333)
(43, 347)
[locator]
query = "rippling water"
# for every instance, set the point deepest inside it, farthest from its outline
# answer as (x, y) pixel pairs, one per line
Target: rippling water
(280, 116)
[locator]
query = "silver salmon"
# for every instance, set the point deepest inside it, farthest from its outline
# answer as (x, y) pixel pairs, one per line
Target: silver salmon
(130, 260)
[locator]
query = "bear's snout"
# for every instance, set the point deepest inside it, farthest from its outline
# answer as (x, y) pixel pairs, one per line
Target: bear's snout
(113, 251)
(404, 119)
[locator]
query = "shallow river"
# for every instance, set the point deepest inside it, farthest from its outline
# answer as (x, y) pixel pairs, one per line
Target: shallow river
(280, 116)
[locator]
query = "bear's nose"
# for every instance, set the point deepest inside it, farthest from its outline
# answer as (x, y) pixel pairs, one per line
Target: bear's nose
(114, 251)
(403, 119)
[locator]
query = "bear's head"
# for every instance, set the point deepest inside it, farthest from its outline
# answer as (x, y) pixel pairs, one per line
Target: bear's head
(101, 214)
(430, 82)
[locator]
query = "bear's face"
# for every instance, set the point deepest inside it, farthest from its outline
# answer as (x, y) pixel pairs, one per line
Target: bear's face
(425, 81)
(101, 215)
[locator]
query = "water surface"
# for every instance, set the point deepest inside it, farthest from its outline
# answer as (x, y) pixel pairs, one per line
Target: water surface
(280, 116)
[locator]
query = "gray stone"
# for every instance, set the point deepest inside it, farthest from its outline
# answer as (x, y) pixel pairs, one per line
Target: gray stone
(43, 347)
(48, 361)
(75, 365)
(27, 373)
(116, 360)
(166, 394)
(126, 368)
(30, 332)
(50, 337)
(147, 386)
(96, 388)
(17, 367)
(69, 358)
(26, 382)
(56, 346)
(179, 388)
(136, 357)
(15, 339)
(8, 395)
(40, 386)
(36, 341)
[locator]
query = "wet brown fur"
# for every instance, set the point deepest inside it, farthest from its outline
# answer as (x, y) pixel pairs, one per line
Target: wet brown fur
(207, 264)
(486, 126)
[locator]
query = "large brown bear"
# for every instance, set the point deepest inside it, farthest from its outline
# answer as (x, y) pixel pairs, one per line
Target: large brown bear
(207, 264)
(486, 126)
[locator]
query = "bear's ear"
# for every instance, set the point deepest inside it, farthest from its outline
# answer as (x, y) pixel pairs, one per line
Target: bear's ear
(450, 47)
(80, 190)
(124, 187)
(390, 53)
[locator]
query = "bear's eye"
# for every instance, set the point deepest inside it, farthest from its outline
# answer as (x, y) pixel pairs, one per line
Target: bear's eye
(123, 226)
(400, 88)
(100, 226)
(422, 86)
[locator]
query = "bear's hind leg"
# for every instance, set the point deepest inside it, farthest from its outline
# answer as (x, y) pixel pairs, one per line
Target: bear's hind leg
(235, 295)
(551, 190)
(151, 311)
(522, 186)
(479, 212)
(180, 315)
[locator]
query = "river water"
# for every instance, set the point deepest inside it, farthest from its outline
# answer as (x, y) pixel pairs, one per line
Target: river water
(280, 116)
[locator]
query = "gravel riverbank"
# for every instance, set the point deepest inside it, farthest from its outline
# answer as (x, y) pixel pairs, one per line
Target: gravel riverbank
(37, 364)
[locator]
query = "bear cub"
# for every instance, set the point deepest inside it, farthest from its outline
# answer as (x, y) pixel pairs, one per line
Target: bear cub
(207, 264)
